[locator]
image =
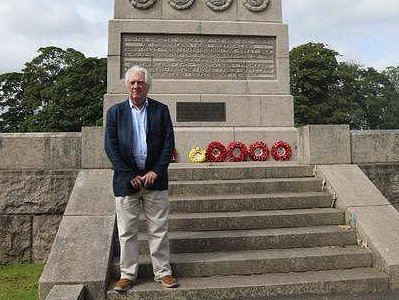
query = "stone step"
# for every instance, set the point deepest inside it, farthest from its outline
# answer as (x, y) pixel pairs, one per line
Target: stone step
(252, 219)
(244, 170)
(244, 186)
(256, 239)
(242, 202)
(248, 262)
(251, 287)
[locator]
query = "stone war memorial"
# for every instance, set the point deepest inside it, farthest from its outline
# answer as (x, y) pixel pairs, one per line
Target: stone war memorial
(220, 66)
(321, 222)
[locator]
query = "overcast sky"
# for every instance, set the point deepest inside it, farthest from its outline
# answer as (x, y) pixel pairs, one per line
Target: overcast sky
(365, 31)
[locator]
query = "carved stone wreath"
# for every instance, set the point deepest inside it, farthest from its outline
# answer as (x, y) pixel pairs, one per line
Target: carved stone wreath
(256, 5)
(181, 4)
(142, 4)
(218, 5)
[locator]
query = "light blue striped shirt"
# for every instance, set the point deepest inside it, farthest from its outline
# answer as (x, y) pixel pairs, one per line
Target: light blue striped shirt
(139, 145)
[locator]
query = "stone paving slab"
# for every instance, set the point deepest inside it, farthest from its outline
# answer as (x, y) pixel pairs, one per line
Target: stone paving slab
(198, 241)
(387, 295)
(244, 186)
(262, 261)
(258, 286)
(240, 170)
(251, 219)
(243, 202)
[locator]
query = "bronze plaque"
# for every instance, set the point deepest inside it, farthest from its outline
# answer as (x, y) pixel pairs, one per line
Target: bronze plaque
(201, 112)
(184, 56)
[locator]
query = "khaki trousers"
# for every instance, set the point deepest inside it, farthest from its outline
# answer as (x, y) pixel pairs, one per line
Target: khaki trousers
(155, 206)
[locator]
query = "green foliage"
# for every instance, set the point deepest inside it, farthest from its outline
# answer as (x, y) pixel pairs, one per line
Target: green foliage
(62, 90)
(10, 102)
(392, 74)
(59, 90)
(328, 92)
(313, 71)
(20, 281)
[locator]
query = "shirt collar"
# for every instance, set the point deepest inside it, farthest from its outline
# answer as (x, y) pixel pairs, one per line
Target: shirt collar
(135, 107)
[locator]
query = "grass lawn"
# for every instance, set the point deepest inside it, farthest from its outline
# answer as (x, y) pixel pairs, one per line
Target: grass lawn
(19, 282)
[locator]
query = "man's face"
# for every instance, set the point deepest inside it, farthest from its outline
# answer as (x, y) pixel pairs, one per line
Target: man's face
(137, 88)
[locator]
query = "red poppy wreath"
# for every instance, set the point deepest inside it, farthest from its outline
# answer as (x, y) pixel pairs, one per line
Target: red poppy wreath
(281, 151)
(216, 152)
(236, 151)
(258, 151)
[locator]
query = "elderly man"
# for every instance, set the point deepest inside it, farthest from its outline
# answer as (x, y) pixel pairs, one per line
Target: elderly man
(139, 141)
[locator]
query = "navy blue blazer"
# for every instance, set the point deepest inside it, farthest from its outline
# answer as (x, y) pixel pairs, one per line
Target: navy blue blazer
(118, 142)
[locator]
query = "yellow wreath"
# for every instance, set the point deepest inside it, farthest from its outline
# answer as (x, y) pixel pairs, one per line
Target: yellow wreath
(197, 155)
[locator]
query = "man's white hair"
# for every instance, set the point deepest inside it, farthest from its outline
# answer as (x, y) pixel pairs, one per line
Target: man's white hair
(138, 69)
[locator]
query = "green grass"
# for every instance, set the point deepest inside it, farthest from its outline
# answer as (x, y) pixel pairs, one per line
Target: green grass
(19, 282)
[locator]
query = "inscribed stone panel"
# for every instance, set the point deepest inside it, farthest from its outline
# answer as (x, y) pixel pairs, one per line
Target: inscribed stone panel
(200, 112)
(182, 56)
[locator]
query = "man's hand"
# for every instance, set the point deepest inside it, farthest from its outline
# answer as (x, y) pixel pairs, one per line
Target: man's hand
(136, 182)
(149, 179)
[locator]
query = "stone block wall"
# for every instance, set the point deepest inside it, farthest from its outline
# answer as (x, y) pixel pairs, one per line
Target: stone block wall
(31, 207)
(40, 151)
(377, 154)
(37, 173)
(386, 178)
(375, 146)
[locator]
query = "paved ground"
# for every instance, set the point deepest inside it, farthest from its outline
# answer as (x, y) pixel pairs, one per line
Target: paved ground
(393, 295)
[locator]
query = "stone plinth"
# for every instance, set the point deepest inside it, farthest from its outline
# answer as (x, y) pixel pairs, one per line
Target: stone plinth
(244, 110)
(229, 58)
(232, 52)
(189, 137)
(128, 35)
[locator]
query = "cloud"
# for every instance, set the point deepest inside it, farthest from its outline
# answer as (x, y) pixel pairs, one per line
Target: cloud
(361, 30)
(29, 25)
(37, 20)
(364, 30)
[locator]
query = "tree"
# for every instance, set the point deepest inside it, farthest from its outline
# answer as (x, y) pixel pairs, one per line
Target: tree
(392, 74)
(379, 95)
(11, 108)
(313, 71)
(60, 90)
(371, 97)
(328, 92)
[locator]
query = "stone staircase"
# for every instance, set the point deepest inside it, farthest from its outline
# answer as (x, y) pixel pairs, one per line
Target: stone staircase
(254, 231)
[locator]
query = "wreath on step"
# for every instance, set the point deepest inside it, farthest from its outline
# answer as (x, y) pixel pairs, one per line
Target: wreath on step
(216, 152)
(197, 155)
(236, 151)
(258, 151)
(281, 151)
